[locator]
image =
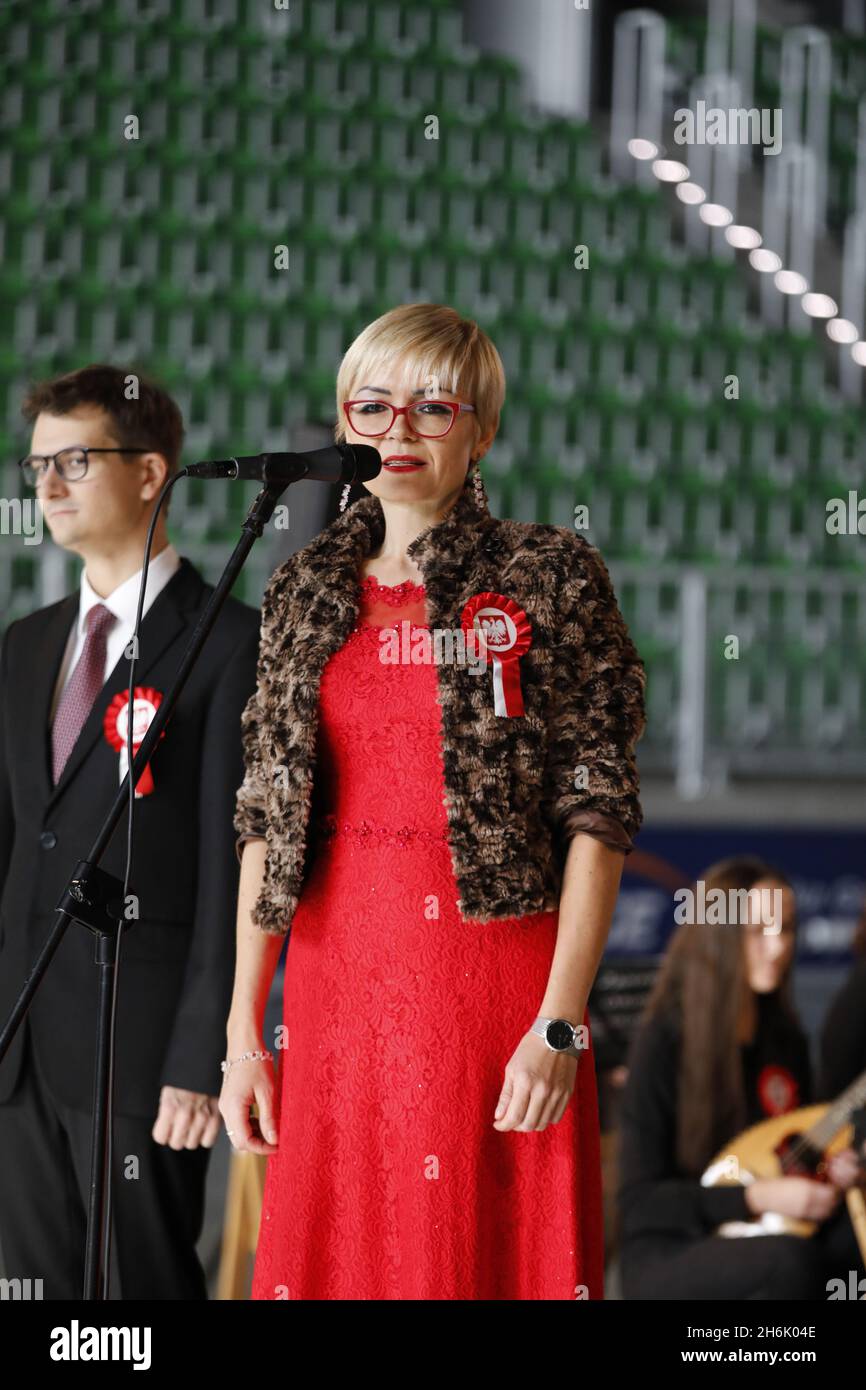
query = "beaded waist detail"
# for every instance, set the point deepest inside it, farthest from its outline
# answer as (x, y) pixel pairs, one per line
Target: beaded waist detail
(369, 833)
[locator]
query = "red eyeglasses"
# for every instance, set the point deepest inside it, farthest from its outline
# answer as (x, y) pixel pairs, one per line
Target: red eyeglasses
(429, 419)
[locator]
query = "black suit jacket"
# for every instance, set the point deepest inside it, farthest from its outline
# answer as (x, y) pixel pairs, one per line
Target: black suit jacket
(177, 960)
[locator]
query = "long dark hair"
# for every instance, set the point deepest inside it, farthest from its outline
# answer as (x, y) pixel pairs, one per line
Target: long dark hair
(703, 988)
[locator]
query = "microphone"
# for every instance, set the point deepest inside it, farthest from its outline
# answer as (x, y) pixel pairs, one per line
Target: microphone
(338, 463)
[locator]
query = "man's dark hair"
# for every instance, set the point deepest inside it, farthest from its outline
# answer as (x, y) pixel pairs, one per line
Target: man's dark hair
(152, 420)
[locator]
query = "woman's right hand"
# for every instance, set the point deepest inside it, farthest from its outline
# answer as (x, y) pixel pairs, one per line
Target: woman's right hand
(244, 1085)
(803, 1198)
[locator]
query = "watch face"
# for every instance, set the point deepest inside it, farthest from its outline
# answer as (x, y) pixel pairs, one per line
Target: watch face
(560, 1034)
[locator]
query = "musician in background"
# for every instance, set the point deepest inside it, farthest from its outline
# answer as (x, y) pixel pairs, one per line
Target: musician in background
(843, 1037)
(720, 1048)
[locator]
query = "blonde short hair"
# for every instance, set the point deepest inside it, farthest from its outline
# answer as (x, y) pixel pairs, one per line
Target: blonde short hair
(450, 352)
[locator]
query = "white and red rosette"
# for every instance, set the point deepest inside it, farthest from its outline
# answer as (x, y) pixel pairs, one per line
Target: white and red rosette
(146, 701)
(505, 635)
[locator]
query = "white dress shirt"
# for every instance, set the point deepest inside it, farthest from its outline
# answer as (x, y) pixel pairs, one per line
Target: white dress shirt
(123, 602)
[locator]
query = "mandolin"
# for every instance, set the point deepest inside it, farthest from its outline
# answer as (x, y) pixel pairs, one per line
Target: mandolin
(795, 1144)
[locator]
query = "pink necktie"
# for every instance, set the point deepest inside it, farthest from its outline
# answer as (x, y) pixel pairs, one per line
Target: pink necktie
(82, 688)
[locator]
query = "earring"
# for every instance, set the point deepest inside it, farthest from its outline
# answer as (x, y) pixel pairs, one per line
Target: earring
(345, 497)
(478, 484)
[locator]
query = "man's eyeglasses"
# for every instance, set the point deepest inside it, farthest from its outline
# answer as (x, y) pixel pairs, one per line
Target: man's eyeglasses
(429, 419)
(71, 463)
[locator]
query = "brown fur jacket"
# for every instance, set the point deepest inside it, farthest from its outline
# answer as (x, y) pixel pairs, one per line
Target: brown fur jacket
(518, 788)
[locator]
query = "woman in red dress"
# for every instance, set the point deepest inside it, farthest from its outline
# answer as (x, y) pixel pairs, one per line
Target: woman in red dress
(425, 1143)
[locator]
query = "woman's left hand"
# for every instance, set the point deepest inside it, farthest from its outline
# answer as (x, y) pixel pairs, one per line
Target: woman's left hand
(537, 1087)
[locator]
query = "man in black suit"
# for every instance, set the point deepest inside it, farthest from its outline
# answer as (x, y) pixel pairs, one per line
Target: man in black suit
(104, 441)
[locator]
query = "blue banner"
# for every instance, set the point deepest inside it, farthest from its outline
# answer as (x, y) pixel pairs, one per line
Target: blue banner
(826, 867)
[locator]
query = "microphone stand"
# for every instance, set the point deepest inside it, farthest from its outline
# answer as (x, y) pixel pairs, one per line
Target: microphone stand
(94, 898)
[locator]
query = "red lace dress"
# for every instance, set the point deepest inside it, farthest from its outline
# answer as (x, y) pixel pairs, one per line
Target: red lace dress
(400, 1016)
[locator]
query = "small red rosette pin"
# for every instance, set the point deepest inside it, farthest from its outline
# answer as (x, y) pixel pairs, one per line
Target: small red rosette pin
(146, 702)
(504, 634)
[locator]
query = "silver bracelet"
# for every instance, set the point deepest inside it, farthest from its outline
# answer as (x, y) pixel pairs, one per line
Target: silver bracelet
(246, 1057)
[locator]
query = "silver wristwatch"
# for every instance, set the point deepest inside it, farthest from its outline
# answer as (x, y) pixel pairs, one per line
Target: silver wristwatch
(558, 1033)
